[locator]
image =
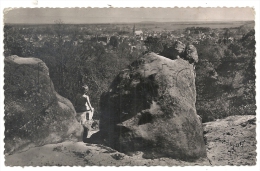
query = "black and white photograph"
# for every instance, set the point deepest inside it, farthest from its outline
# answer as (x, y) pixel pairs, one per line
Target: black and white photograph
(129, 86)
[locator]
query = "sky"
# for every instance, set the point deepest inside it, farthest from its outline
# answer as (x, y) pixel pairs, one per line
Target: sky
(128, 15)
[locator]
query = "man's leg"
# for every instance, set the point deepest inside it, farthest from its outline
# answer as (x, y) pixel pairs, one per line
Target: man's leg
(91, 114)
(86, 125)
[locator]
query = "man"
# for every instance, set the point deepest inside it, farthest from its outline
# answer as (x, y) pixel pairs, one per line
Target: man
(89, 109)
(86, 116)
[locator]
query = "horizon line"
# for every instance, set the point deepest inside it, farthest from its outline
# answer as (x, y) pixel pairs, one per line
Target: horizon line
(141, 22)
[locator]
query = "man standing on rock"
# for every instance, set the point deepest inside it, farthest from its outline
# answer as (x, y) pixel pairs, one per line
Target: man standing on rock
(89, 108)
(86, 117)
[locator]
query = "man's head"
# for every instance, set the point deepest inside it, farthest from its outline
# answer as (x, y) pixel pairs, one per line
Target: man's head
(85, 88)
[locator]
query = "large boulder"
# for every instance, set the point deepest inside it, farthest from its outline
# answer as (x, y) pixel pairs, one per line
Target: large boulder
(150, 107)
(35, 114)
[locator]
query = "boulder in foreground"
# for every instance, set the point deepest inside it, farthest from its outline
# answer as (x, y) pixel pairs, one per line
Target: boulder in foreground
(35, 114)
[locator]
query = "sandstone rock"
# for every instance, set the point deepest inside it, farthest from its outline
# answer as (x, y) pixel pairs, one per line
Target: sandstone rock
(179, 47)
(175, 51)
(232, 138)
(150, 107)
(190, 54)
(199, 118)
(180, 50)
(34, 113)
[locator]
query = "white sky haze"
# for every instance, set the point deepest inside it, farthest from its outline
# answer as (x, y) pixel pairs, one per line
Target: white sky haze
(128, 15)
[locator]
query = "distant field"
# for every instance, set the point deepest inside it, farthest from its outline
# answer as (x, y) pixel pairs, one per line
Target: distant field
(176, 26)
(158, 26)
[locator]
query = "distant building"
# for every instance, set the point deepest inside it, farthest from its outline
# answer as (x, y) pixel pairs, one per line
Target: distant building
(196, 42)
(139, 34)
(99, 39)
(230, 39)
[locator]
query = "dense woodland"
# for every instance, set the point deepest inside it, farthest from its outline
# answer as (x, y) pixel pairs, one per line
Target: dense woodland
(225, 74)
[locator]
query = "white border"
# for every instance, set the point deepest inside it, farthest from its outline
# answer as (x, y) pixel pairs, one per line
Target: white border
(132, 3)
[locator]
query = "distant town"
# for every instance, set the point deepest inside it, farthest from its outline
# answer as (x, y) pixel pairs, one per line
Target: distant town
(133, 35)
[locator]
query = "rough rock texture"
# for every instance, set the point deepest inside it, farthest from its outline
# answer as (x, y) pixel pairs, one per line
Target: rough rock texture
(231, 141)
(174, 51)
(34, 113)
(221, 135)
(150, 107)
(180, 50)
(190, 54)
(81, 154)
(179, 47)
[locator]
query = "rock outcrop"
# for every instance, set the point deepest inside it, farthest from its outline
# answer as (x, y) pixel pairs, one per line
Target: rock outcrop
(190, 54)
(232, 140)
(35, 114)
(180, 50)
(179, 46)
(150, 107)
